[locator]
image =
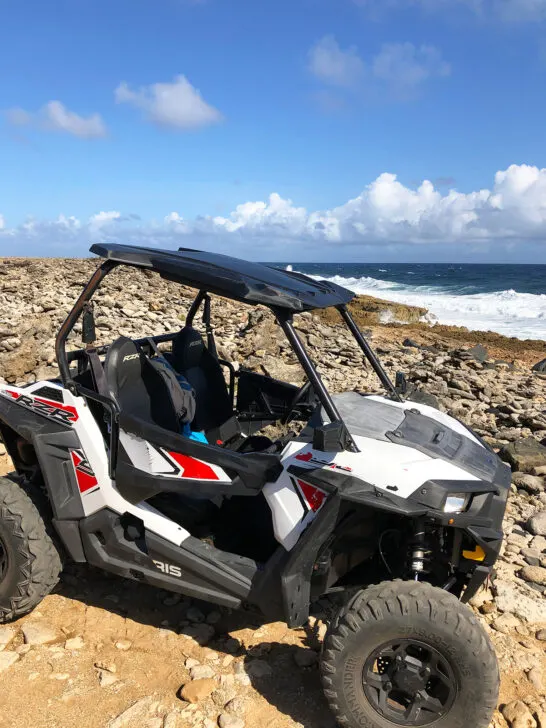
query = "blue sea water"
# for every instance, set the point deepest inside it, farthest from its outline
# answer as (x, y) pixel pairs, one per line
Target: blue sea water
(508, 299)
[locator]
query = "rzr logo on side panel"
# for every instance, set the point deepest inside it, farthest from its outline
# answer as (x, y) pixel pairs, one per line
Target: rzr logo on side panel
(60, 412)
(308, 457)
(84, 472)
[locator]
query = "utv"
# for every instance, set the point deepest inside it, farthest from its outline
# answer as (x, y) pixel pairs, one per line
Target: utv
(389, 502)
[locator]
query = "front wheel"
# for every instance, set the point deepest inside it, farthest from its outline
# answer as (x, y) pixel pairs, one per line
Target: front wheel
(409, 654)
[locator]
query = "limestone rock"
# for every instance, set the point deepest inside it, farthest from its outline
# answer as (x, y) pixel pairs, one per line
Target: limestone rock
(230, 721)
(478, 352)
(535, 574)
(536, 678)
(511, 598)
(529, 483)
(136, 712)
(537, 524)
(199, 672)
(505, 623)
(223, 695)
(36, 633)
(524, 454)
(7, 659)
(198, 690)
(154, 723)
(106, 678)
(123, 645)
(7, 635)
(174, 719)
(75, 643)
(538, 543)
(518, 715)
(236, 706)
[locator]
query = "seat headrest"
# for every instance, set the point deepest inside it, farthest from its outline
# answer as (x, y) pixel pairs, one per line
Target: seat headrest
(124, 361)
(187, 348)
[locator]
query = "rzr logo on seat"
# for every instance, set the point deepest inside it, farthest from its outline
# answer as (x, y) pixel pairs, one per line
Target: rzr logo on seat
(60, 412)
(129, 357)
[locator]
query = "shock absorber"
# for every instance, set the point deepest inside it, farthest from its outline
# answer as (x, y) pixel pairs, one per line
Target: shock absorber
(420, 551)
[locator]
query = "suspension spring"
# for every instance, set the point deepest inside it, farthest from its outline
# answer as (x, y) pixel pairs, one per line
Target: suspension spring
(421, 554)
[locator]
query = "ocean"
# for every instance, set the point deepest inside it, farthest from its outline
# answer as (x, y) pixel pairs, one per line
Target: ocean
(508, 299)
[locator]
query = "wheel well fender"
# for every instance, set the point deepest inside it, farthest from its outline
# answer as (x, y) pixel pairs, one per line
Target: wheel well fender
(40, 450)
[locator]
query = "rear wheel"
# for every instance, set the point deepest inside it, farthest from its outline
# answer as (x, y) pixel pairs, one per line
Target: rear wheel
(409, 654)
(30, 562)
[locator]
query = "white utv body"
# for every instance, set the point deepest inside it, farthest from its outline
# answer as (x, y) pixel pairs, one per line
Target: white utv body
(393, 503)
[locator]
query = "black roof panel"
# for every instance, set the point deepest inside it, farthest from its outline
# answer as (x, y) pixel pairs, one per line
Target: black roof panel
(231, 277)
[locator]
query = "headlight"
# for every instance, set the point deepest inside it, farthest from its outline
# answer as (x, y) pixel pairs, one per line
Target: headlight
(456, 503)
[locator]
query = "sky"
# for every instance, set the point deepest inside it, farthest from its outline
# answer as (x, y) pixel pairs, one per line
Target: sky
(304, 130)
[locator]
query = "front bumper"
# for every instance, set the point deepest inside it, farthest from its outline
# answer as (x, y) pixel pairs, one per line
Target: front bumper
(480, 525)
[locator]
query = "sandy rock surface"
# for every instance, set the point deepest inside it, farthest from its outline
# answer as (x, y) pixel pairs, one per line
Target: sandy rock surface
(104, 652)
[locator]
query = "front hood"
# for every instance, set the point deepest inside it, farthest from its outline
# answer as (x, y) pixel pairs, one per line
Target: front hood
(419, 427)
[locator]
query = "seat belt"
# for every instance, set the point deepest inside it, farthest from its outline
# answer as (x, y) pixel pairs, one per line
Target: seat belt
(153, 346)
(97, 372)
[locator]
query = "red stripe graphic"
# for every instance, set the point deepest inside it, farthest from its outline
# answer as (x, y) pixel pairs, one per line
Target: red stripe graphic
(314, 497)
(84, 475)
(192, 468)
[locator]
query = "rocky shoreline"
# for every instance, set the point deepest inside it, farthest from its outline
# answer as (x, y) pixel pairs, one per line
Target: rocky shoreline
(491, 388)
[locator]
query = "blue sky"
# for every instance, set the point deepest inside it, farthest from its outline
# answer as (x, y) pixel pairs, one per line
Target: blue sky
(173, 122)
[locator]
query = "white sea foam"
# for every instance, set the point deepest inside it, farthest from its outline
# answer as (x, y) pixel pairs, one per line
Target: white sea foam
(522, 315)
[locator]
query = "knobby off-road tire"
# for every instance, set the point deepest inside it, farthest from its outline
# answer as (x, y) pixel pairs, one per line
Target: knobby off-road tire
(30, 562)
(394, 620)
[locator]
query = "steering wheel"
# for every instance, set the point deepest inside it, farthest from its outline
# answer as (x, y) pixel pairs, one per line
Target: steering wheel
(302, 392)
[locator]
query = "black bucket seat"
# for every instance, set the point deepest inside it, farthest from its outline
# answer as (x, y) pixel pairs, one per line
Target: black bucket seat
(191, 358)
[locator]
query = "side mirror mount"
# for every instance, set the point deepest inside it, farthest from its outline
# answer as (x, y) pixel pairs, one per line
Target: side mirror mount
(331, 437)
(88, 325)
(401, 383)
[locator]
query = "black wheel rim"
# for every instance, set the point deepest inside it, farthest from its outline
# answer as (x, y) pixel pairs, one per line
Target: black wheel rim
(3, 560)
(409, 682)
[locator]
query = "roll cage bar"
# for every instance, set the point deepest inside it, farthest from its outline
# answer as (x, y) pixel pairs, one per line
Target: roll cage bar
(284, 319)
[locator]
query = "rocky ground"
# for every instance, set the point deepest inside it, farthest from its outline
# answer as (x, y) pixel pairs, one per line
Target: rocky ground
(104, 652)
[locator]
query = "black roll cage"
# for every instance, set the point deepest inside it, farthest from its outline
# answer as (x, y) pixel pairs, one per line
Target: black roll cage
(284, 319)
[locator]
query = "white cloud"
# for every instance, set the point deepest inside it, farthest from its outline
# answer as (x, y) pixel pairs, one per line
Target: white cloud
(101, 219)
(2, 222)
(178, 104)
(398, 70)
(329, 63)
(405, 66)
(54, 116)
(385, 213)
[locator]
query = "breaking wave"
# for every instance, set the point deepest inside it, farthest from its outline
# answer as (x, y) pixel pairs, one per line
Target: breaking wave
(509, 312)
